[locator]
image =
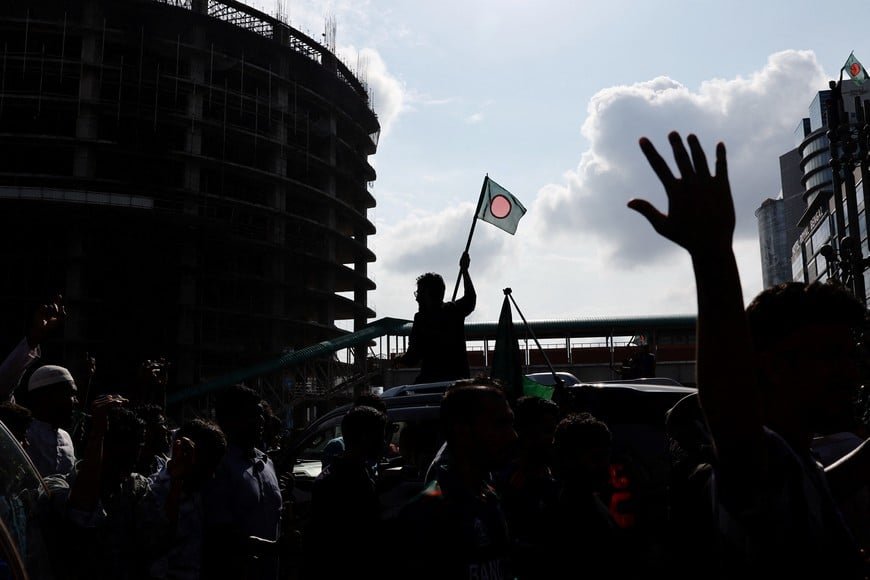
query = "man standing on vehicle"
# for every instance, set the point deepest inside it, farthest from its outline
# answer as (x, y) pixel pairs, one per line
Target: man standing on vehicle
(437, 341)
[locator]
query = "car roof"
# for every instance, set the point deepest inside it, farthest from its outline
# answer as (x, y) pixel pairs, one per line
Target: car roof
(417, 389)
(628, 401)
(546, 378)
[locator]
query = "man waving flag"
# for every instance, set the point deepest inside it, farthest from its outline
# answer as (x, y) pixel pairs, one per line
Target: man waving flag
(499, 207)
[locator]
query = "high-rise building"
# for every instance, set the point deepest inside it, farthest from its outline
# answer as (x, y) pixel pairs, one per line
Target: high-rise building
(777, 222)
(191, 175)
(827, 211)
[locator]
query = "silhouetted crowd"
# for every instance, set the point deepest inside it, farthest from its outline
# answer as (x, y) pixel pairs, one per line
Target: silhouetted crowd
(768, 474)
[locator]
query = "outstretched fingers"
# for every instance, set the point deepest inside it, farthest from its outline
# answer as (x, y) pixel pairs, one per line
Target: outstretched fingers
(721, 163)
(658, 164)
(699, 158)
(681, 156)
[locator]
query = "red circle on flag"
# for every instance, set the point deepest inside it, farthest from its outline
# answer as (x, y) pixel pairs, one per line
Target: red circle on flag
(855, 69)
(500, 207)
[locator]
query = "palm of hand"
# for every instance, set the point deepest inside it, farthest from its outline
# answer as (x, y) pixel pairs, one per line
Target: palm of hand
(700, 214)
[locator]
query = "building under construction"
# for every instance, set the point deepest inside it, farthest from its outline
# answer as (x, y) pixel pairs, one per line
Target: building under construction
(192, 176)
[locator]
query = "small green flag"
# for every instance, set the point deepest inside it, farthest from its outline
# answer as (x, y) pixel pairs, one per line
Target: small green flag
(535, 389)
(855, 70)
(499, 207)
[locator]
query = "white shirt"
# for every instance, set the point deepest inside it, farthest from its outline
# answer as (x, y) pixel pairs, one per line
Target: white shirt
(50, 449)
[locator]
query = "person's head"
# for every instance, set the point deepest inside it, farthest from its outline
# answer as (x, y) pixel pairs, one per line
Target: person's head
(805, 338)
(157, 434)
(370, 399)
(123, 442)
(17, 419)
(52, 395)
(364, 429)
(430, 290)
(209, 448)
(535, 421)
(239, 413)
(477, 422)
(582, 448)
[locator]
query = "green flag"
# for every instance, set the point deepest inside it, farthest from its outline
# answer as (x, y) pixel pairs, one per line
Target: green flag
(506, 357)
(855, 70)
(535, 389)
(499, 207)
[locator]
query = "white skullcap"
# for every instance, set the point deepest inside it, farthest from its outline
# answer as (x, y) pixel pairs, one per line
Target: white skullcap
(49, 375)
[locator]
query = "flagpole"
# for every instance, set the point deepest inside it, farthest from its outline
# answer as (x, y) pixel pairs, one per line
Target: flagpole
(559, 382)
(471, 232)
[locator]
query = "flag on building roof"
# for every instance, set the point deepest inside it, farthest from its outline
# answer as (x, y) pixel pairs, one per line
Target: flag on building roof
(499, 207)
(855, 70)
(507, 364)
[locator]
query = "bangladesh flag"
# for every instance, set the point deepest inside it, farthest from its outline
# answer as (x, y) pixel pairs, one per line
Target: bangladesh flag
(855, 70)
(499, 207)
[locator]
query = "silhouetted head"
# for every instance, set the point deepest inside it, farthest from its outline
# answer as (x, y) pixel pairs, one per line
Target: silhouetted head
(535, 421)
(364, 430)
(52, 395)
(583, 446)
(806, 339)
(240, 414)
(477, 422)
(123, 442)
(209, 448)
(430, 290)
(370, 399)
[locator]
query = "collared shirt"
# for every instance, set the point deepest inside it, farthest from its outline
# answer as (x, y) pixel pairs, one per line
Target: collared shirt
(50, 449)
(184, 557)
(244, 500)
(245, 493)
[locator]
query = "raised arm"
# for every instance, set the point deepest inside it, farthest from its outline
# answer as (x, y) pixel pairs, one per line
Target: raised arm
(469, 296)
(701, 219)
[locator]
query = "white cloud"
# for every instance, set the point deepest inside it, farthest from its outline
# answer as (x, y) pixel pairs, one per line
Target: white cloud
(579, 251)
(474, 118)
(754, 117)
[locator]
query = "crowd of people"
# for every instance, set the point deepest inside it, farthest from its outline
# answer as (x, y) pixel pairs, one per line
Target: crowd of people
(769, 474)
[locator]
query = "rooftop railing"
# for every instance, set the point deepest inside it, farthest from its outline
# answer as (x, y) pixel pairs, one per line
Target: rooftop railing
(250, 19)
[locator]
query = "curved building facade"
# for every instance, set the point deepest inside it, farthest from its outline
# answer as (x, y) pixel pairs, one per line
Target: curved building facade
(191, 175)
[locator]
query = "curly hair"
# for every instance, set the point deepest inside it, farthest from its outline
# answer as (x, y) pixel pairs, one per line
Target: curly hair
(432, 283)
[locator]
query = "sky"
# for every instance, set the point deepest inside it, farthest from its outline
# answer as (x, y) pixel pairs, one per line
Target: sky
(549, 98)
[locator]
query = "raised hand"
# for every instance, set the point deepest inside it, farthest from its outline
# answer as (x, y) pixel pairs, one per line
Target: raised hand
(46, 319)
(700, 214)
(183, 458)
(464, 262)
(100, 409)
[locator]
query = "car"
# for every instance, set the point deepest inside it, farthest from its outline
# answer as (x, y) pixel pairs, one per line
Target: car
(417, 389)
